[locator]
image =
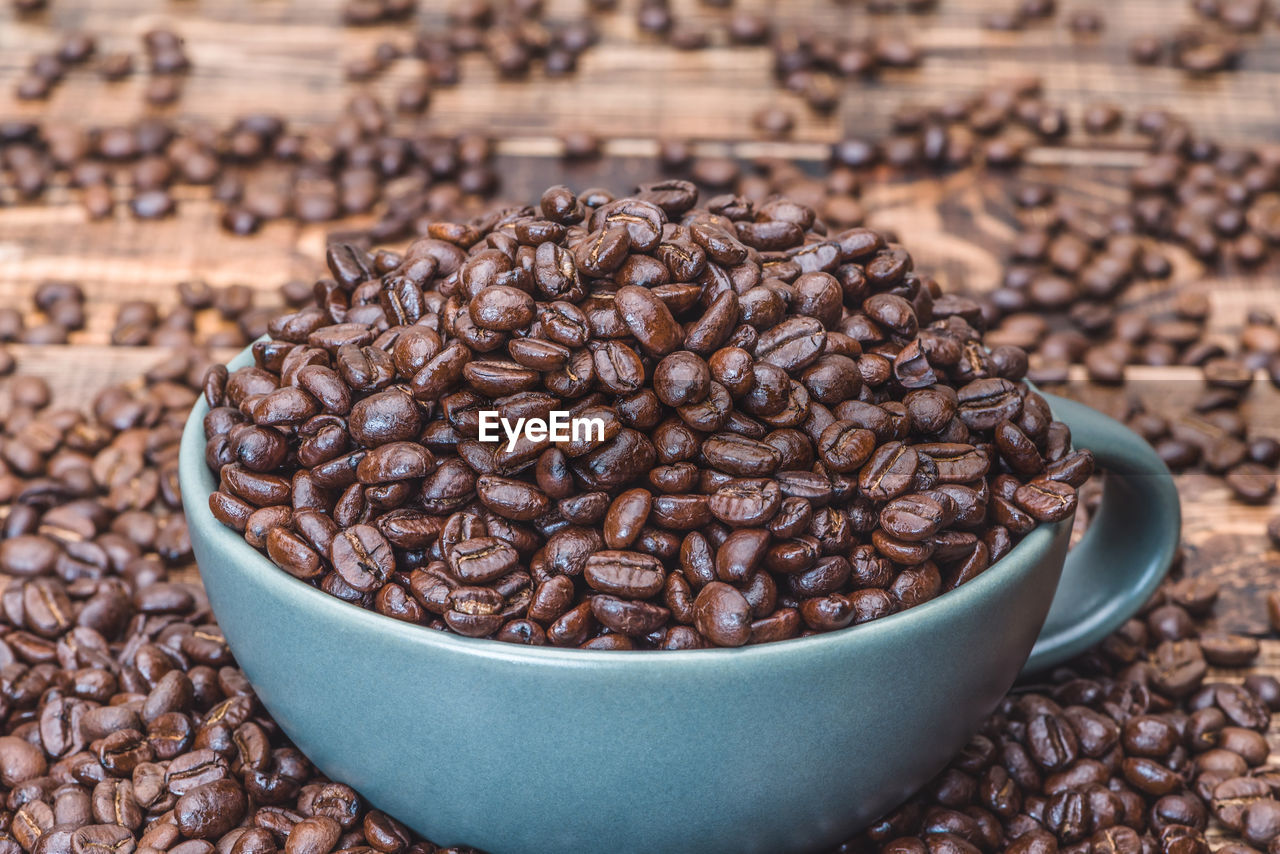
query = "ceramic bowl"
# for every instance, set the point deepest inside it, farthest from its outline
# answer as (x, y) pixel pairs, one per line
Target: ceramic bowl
(790, 746)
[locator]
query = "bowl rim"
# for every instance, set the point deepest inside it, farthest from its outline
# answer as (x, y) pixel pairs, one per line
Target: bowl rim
(197, 483)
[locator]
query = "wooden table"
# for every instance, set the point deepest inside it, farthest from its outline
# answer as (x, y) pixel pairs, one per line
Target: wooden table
(286, 57)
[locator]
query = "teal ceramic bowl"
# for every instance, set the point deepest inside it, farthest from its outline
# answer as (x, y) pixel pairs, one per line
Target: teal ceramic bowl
(791, 746)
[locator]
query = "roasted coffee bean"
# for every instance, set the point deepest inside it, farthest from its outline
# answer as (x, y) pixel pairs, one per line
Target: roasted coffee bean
(362, 556)
(1046, 500)
(482, 559)
(681, 378)
(845, 447)
(628, 617)
(740, 456)
(1251, 483)
(627, 515)
(603, 251)
(1228, 650)
(388, 416)
(1232, 797)
(741, 553)
(913, 517)
(474, 611)
(722, 615)
(393, 462)
(19, 761)
(209, 811)
(633, 575)
(1260, 823)
(746, 502)
(648, 319)
(501, 307)
(889, 472)
(511, 499)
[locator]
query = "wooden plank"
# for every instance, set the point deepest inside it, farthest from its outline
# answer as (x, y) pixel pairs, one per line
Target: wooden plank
(281, 58)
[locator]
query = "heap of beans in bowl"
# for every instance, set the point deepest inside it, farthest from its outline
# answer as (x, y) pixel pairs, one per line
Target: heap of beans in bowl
(635, 423)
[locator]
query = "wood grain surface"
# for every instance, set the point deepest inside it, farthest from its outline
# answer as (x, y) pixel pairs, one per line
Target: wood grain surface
(286, 57)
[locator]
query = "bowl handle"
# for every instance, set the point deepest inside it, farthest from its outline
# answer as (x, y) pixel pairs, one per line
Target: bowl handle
(1127, 549)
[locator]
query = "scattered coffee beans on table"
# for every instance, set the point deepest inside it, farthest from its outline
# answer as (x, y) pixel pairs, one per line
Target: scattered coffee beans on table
(126, 724)
(1130, 748)
(719, 426)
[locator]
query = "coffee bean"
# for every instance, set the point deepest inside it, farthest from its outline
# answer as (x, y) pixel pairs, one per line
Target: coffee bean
(1260, 685)
(362, 556)
(19, 761)
(746, 503)
(628, 617)
(740, 456)
(626, 516)
(1228, 650)
(845, 447)
(603, 251)
(912, 517)
(482, 559)
(621, 573)
(1046, 500)
(1149, 735)
(682, 378)
(649, 320)
(393, 462)
(1251, 483)
(99, 838)
(388, 416)
(502, 308)
(209, 811)
(315, 835)
(510, 498)
(889, 472)
(722, 615)
(1260, 823)
(741, 553)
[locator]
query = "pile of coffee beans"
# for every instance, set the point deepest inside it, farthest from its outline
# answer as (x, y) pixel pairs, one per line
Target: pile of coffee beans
(1134, 747)
(1025, 13)
(798, 432)
(514, 38)
(1209, 42)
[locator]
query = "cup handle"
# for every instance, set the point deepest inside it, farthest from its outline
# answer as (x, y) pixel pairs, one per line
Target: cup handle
(1128, 547)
